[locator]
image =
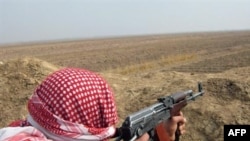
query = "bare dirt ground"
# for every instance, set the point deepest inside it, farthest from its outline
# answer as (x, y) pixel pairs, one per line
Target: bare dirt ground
(141, 69)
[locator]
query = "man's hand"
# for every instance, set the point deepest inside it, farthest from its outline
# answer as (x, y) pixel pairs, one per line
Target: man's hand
(175, 123)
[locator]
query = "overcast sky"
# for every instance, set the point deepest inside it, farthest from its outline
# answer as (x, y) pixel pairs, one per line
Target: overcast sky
(41, 20)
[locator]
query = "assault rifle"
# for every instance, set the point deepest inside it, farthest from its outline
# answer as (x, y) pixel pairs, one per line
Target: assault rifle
(145, 120)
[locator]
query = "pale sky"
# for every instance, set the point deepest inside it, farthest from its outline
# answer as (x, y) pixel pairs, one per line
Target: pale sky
(42, 20)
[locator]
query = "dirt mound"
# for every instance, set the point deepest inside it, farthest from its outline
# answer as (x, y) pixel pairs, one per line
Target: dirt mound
(225, 88)
(18, 79)
(226, 101)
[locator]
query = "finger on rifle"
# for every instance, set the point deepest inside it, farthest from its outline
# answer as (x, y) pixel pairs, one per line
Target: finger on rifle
(182, 129)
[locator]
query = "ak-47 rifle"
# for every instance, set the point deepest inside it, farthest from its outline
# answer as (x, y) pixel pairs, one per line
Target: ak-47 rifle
(145, 120)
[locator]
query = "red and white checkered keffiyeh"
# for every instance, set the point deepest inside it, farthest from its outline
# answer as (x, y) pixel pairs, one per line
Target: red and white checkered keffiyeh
(74, 103)
(27, 133)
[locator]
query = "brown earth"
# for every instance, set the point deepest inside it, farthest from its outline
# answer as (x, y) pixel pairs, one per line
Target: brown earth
(141, 69)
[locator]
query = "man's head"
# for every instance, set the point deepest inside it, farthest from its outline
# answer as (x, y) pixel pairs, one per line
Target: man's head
(72, 98)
